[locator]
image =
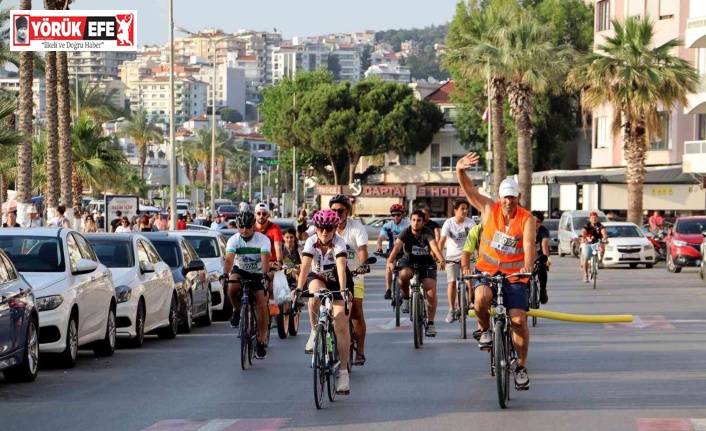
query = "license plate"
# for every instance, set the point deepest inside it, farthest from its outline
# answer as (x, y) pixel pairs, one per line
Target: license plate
(630, 256)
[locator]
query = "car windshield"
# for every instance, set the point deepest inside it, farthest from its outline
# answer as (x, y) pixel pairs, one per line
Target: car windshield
(227, 209)
(205, 247)
(624, 232)
(168, 251)
(691, 227)
(34, 253)
(551, 224)
(580, 222)
(113, 253)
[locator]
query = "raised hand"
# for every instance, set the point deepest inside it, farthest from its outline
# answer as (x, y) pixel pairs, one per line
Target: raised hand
(467, 161)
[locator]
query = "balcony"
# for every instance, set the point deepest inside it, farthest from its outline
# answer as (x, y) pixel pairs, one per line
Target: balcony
(695, 35)
(694, 157)
(696, 102)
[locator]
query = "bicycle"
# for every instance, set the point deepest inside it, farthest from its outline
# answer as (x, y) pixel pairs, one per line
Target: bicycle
(325, 361)
(288, 318)
(534, 302)
(354, 344)
(462, 302)
(593, 263)
(247, 329)
(503, 356)
(396, 301)
(418, 302)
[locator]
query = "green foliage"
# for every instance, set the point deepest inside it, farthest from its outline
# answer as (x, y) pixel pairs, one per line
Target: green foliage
(333, 65)
(231, 115)
(95, 101)
(95, 156)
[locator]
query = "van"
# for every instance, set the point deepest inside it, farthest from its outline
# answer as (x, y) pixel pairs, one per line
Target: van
(570, 227)
(96, 205)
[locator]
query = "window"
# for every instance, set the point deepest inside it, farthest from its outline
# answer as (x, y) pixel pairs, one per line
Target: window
(142, 256)
(701, 61)
(410, 160)
(602, 136)
(663, 138)
(435, 157)
(701, 127)
(603, 15)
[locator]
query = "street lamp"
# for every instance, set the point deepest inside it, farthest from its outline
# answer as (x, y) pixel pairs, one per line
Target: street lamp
(172, 156)
(214, 42)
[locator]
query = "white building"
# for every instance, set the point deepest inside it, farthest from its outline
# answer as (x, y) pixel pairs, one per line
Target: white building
(97, 65)
(152, 94)
(230, 85)
(287, 60)
(386, 66)
(349, 61)
(39, 93)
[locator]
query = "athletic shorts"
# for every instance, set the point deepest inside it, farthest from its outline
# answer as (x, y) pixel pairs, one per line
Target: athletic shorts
(423, 272)
(516, 294)
(330, 284)
(246, 276)
(453, 272)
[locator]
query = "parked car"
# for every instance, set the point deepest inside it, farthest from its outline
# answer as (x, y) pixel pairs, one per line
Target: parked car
(684, 242)
(144, 286)
(553, 225)
(210, 247)
(373, 227)
(627, 245)
(190, 278)
(570, 226)
(228, 211)
(197, 227)
(19, 325)
(75, 292)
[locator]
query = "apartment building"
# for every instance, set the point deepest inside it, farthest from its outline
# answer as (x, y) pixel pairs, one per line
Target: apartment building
(261, 44)
(39, 93)
(97, 65)
(695, 40)
(287, 60)
(230, 85)
(254, 71)
(349, 60)
(386, 66)
(152, 94)
(201, 45)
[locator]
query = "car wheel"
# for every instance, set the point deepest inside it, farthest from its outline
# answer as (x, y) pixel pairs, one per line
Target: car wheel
(67, 358)
(106, 347)
(27, 371)
(169, 332)
(139, 327)
(207, 318)
(558, 250)
(649, 265)
(187, 316)
(671, 266)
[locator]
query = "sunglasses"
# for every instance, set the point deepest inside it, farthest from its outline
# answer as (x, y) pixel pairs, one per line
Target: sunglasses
(339, 211)
(261, 213)
(396, 215)
(244, 227)
(327, 229)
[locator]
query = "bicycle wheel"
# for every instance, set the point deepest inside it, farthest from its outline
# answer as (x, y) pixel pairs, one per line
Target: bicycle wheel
(463, 306)
(534, 298)
(333, 365)
(594, 270)
(424, 316)
(319, 366)
(353, 345)
(502, 365)
(244, 335)
(416, 319)
(397, 297)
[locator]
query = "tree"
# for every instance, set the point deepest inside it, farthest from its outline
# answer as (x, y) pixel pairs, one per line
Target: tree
(231, 115)
(142, 132)
(24, 150)
(95, 101)
(333, 65)
(200, 149)
(9, 141)
(51, 123)
(636, 79)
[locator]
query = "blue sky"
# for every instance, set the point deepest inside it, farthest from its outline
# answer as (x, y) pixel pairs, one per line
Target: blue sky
(292, 18)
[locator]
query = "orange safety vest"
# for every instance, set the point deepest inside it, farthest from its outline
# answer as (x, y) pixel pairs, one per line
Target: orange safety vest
(499, 250)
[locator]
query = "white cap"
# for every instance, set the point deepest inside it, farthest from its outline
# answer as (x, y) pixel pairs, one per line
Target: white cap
(262, 206)
(508, 187)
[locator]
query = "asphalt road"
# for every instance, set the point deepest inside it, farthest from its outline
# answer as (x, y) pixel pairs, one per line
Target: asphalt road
(649, 375)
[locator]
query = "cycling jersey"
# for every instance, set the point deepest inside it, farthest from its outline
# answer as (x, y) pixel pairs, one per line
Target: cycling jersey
(354, 236)
(593, 233)
(473, 239)
(416, 247)
(248, 254)
(456, 234)
(542, 233)
(392, 230)
(324, 264)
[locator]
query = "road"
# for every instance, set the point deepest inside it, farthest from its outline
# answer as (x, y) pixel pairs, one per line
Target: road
(649, 375)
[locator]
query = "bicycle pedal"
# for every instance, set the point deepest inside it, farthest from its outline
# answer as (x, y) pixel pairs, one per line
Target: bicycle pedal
(348, 392)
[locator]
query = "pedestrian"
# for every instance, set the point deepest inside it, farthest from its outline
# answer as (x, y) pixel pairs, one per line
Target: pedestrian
(135, 219)
(11, 220)
(89, 226)
(116, 221)
(244, 206)
(160, 223)
(60, 220)
(218, 222)
(124, 226)
(100, 221)
(431, 224)
(35, 219)
(181, 224)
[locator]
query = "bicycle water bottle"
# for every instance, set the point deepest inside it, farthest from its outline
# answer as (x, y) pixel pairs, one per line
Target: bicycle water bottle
(329, 342)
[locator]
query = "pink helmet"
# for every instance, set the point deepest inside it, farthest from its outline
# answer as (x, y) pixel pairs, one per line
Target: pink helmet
(326, 218)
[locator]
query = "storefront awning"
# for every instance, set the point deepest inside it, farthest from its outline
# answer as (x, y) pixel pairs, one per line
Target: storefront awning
(653, 175)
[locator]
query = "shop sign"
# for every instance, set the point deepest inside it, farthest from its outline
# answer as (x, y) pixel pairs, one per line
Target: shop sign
(422, 191)
(384, 191)
(662, 191)
(327, 190)
(440, 192)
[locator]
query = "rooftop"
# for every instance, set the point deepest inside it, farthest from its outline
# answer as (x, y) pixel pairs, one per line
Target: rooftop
(443, 94)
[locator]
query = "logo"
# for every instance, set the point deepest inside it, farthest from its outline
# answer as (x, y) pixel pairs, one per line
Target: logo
(88, 30)
(356, 187)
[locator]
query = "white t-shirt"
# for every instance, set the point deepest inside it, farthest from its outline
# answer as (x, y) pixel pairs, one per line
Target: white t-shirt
(122, 229)
(324, 264)
(354, 235)
(456, 235)
(248, 254)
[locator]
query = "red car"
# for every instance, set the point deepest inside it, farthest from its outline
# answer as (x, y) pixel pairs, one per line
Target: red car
(230, 212)
(684, 242)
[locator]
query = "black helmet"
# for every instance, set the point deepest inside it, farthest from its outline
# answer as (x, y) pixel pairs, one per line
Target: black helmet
(245, 219)
(340, 199)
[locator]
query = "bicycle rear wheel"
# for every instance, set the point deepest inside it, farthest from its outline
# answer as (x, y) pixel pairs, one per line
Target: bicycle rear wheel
(463, 306)
(244, 335)
(534, 298)
(333, 366)
(397, 297)
(416, 320)
(319, 366)
(594, 270)
(502, 365)
(252, 316)
(353, 346)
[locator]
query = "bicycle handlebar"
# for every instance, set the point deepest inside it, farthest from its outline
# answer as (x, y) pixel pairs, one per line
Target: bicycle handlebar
(333, 295)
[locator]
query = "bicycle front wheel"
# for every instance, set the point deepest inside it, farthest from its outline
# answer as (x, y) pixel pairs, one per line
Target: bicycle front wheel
(244, 335)
(319, 366)
(534, 298)
(594, 270)
(252, 317)
(397, 297)
(333, 365)
(353, 346)
(416, 320)
(463, 306)
(502, 364)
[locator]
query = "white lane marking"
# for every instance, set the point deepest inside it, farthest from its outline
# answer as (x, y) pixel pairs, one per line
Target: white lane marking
(218, 424)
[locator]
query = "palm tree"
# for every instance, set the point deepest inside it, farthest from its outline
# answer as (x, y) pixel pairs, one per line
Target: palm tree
(201, 148)
(130, 182)
(477, 53)
(94, 156)
(635, 78)
(51, 123)
(141, 132)
(39, 165)
(24, 150)
(64, 115)
(95, 101)
(536, 65)
(9, 141)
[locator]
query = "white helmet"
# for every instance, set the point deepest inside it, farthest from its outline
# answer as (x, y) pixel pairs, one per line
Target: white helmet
(262, 207)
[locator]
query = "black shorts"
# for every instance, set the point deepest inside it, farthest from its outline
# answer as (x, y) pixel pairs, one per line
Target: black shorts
(332, 285)
(516, 294)
(425, 271)
(251, 279)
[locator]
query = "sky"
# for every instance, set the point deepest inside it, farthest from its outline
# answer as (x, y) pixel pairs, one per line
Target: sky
(292, 18)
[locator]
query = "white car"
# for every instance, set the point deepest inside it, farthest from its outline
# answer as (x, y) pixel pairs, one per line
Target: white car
(144, 286)
(210, 246)
(627, 245)
(75, 292)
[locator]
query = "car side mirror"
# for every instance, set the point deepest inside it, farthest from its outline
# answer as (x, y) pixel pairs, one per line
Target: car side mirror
(195, 265)
(84, 266)
(146, 267)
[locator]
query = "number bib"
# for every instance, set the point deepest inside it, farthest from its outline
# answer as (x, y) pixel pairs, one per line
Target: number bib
(420, 251)
(350, 253)
(504, 243)
(250, 266)
(328, 271)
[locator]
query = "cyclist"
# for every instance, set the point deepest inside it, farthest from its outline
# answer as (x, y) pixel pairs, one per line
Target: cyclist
(356, 239)
(431, 224)
(542, 243)
(264, 226)
(250, 251)
(391, 231)
(420, 247)
(324, 266)
(592, 233)
(290, 255)
(456, 228)
(470, 248)
(507, 228)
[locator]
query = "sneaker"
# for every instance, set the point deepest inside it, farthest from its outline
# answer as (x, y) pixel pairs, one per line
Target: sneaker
(451, 316)
(260, 351)
(431, 330)
(235, 319)
(343, 385)
(543, 297)
(405, 305)
(485, 341)
(388, 294)
(585, 278)
(600, 264)
(309, 349)
(522, 381)
(273, 308)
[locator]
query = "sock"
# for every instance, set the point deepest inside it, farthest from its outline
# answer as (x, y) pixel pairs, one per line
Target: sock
(406, 298)
(342, 371)
(431, 322)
